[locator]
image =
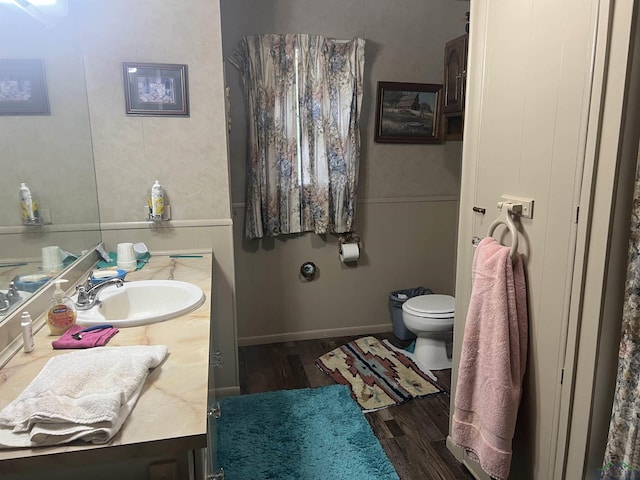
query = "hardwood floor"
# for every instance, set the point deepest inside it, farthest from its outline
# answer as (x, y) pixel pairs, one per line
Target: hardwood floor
(413, 434)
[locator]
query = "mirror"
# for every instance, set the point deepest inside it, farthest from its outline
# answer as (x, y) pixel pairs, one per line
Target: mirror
(51, 153)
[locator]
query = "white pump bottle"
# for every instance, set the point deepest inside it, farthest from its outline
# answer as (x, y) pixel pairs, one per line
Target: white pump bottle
(157, 201)
(26, 203)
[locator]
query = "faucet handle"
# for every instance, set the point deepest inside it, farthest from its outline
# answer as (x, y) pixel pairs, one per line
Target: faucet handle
(83, 295)
(83, 288)
(12, 292)
(88, 293)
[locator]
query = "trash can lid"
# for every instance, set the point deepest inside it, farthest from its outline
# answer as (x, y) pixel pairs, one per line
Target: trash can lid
(437, 306)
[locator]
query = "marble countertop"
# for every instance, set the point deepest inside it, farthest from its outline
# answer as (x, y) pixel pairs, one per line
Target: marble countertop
(171, 413)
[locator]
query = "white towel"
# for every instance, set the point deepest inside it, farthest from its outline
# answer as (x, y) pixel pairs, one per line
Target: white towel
(86, 395)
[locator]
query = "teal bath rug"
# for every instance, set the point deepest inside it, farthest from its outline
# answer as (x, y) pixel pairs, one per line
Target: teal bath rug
(309, 434)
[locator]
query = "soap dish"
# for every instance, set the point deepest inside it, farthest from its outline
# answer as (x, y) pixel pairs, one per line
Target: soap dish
(99, 276)
(30, 283)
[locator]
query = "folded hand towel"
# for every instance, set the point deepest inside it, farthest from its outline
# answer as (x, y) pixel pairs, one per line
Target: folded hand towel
(86, 394)
(94, 338)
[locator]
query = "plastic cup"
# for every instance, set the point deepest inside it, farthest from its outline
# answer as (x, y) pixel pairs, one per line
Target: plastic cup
(126, 257)
(140, 250)
(51, 259)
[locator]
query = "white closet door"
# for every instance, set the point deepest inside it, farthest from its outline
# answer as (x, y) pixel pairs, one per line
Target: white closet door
(529, 85)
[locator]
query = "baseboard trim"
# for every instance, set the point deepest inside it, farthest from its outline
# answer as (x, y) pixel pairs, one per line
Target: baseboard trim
(457, 451)
(313, 334)
(472, 467)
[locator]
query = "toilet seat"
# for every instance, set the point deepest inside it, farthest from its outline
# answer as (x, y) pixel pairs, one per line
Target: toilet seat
(430, 306)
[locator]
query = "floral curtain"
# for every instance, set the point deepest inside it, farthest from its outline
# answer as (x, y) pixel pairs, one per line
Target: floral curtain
(304, 95)
(622, 454)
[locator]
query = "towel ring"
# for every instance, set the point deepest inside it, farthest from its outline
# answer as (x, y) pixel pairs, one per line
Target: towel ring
(505, 219)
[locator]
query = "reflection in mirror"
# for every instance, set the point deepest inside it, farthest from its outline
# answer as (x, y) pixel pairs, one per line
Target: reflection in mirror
(50, 152)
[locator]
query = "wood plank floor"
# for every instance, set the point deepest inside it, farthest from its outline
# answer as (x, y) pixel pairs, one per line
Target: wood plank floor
(413, 434)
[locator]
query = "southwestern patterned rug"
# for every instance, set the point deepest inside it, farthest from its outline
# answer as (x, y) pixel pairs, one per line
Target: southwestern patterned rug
(378, 374)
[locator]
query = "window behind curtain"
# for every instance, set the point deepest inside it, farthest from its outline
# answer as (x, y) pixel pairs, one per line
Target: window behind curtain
(304, 94)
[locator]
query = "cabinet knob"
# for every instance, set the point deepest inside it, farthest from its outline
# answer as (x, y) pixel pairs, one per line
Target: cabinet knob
(214, 410)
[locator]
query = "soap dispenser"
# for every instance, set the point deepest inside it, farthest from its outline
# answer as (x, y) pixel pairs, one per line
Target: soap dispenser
(156, 203)
(62, 312)
(28, 207)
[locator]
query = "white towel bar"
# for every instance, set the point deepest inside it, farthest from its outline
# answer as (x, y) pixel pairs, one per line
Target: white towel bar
(506, 209)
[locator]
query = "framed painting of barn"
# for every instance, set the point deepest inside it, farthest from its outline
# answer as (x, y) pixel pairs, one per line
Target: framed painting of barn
(408, 112)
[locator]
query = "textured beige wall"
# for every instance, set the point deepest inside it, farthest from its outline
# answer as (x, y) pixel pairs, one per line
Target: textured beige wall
(405, 244)
(408, 212)
(404, 43)
(187, 155)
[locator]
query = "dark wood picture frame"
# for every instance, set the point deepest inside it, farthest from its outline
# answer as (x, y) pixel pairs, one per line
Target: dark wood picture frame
(408, 112)
(156, 89)
(23, 87)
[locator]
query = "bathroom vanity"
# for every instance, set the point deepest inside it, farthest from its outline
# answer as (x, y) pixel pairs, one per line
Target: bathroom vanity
(165, 435)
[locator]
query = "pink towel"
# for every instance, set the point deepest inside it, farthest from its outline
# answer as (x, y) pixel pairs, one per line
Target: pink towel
(94, 338)
(493, 359)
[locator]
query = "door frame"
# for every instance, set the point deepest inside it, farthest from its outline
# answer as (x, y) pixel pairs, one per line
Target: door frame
(603, 232)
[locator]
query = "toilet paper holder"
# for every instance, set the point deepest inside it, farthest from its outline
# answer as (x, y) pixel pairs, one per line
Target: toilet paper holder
(350, 237)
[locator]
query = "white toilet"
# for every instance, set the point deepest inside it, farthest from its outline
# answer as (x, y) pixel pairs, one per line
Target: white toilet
(430, 317)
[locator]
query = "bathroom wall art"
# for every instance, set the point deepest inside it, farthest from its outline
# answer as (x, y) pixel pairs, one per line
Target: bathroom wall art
(23, 87)
(156, 89)
(408, 112)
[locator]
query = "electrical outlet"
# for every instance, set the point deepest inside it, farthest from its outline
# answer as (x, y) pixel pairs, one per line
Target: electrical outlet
(163, 471)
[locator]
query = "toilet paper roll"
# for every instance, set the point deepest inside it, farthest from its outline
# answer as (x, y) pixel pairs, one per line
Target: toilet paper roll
(349, 252)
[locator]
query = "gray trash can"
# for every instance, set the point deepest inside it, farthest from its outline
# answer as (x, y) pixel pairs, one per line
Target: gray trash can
(396, 299)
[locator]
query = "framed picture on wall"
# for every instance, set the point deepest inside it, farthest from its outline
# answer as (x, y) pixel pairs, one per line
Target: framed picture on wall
(408, 112)
(23, 87)
(156, 89)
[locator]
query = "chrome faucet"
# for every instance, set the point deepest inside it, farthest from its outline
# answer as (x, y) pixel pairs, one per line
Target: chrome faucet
(4, 302)
(8, 299)
(88, 293)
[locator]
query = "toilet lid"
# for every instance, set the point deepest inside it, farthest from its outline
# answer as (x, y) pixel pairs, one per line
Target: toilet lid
(434, 306)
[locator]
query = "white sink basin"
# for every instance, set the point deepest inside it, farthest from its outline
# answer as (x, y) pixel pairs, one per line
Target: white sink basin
(142, 302)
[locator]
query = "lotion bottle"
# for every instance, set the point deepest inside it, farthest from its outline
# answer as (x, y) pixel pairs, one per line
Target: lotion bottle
(27, 332)
(62, 312)
(27, 206)
(157, 201)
